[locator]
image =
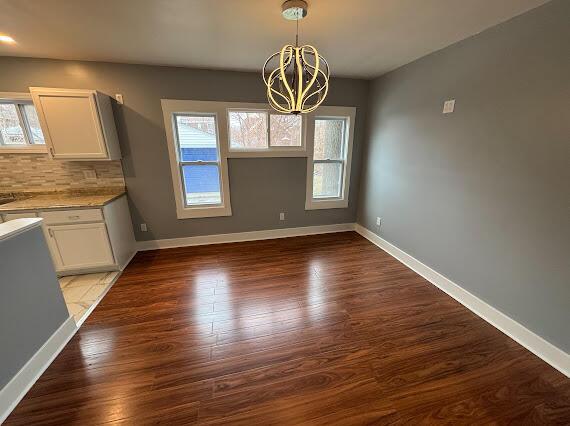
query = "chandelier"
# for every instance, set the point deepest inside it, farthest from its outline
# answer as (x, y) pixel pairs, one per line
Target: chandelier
(300, 82)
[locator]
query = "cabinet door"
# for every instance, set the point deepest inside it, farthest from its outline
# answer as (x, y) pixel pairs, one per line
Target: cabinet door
(71, 123)
(80, 246)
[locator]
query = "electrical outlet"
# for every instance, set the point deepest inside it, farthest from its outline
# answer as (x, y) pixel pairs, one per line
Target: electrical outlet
(119, 98)
(90, 174)
(281, 216)
(448, 106)
(143, 227)
(378, 221)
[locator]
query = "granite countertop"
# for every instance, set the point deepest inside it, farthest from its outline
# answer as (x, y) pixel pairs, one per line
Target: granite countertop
(62, 200)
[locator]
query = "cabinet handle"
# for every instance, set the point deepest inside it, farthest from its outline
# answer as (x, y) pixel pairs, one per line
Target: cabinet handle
(51, 151)
(73, 217)
(50, 232)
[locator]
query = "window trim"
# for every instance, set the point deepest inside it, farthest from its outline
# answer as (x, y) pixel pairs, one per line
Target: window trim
(345, 113)
(170, 108)
(19, 98)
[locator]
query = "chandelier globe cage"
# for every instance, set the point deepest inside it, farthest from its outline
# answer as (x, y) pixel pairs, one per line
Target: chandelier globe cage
(296, 77)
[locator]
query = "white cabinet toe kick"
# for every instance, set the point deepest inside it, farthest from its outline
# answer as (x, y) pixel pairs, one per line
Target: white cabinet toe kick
(87, 240)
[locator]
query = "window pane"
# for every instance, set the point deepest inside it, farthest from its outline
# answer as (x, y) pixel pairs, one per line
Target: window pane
(197, 137)
(248, 130)
(34, 123)
(202, 184)
(327, 180)
(285, 130)
(329, 139)
(12, 133)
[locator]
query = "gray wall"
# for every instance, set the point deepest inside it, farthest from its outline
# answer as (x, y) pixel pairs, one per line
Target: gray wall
(482, 195)
(31, 303)
(260, 188)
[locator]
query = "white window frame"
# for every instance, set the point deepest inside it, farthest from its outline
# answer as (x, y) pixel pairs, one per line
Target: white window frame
(345, 113)
(277, 151)
(170, 108)
(29, 147)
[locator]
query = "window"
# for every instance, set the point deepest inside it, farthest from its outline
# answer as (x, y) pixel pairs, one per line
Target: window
(328, 166)
(197, 159)
(202, 135)
(285, 130)
(19, 126)
(328, 157)
(248, 130)
(264, 133)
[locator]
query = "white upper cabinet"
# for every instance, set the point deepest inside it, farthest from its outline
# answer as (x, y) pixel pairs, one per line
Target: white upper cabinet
(77, 124)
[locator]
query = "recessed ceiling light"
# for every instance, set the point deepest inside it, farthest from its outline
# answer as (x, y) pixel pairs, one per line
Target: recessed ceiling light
(7, 39)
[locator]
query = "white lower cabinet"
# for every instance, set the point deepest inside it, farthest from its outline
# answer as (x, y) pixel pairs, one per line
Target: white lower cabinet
(80, 246)
(87, 240)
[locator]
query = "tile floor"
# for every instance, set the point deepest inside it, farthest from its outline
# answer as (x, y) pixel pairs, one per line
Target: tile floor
(83, 291)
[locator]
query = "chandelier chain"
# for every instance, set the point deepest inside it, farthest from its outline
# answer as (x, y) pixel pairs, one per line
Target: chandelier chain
(297, 35)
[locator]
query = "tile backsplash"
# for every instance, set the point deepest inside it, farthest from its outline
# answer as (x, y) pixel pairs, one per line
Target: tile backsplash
(37, 172)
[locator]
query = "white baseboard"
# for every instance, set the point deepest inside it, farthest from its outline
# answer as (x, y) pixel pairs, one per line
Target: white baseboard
(21, 383)
(243, 236)
(554, 356)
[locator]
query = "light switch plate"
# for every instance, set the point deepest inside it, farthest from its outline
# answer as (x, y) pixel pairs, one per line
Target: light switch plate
(281, 216)
(448, 106)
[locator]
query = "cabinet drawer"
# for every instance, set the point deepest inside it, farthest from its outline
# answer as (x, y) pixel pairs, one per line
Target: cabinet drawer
(72, 216)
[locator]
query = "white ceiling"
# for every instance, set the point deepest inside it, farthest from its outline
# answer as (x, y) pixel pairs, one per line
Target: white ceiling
(359, 38)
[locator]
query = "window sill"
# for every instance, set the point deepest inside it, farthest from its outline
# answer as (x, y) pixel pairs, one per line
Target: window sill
(274, 153)
(316, 204)
(198, 212)
(23, 150)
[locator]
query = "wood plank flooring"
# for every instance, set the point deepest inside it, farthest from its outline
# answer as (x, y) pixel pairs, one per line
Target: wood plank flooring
(325, 329)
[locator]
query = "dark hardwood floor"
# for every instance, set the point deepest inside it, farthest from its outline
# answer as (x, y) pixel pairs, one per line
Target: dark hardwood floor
(323, 329)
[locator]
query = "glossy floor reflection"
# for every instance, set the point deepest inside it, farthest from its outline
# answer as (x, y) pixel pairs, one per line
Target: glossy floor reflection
(325, 329)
